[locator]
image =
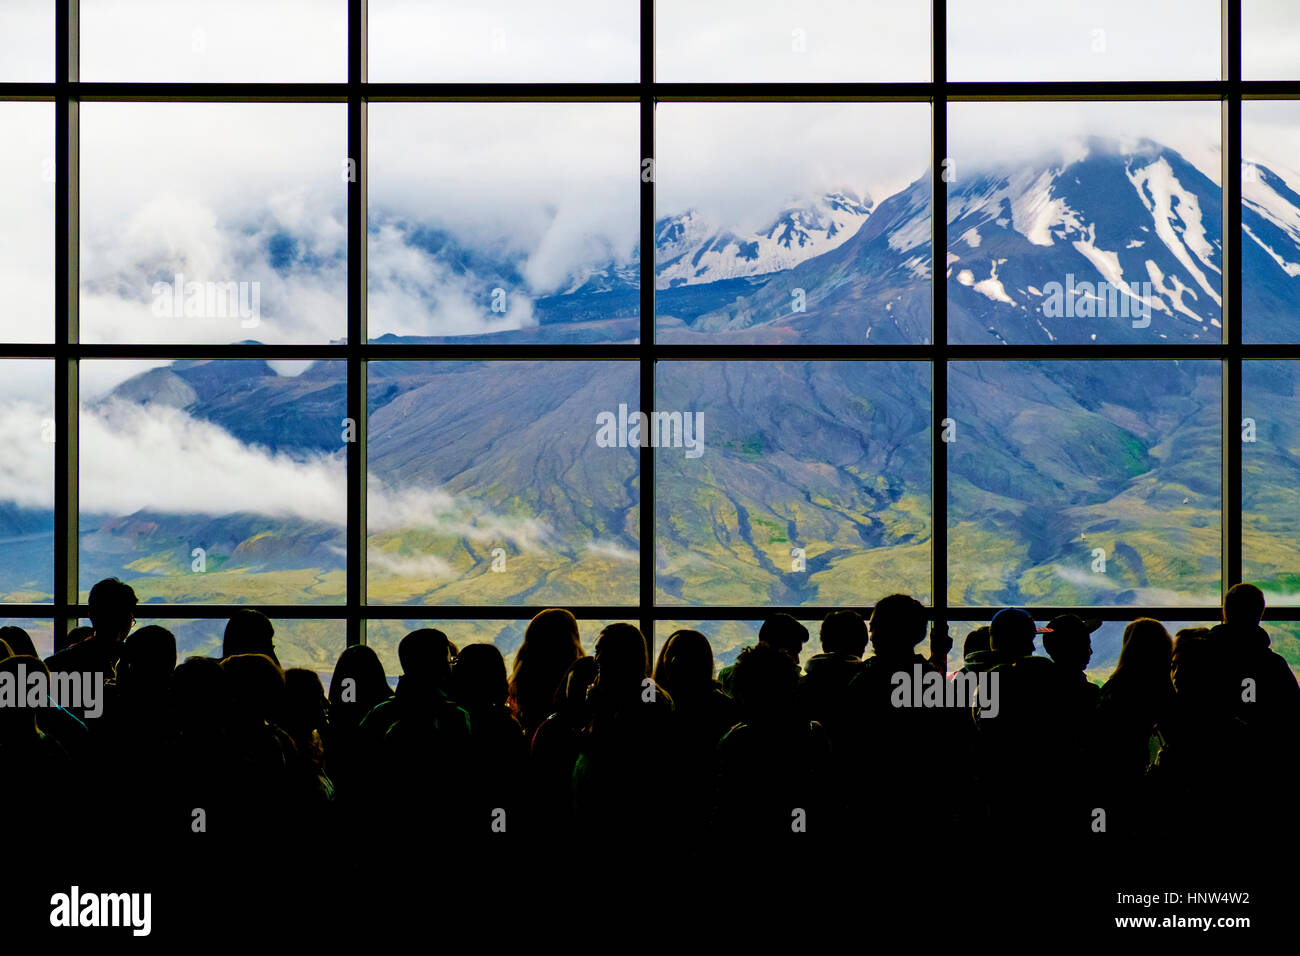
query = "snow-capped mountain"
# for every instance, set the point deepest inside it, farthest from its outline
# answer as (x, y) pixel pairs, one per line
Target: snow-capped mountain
(692, 248)
(1118, 243)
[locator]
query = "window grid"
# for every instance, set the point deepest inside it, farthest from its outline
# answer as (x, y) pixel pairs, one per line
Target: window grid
(67, 92)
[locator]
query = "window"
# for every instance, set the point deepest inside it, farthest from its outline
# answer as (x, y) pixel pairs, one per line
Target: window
(465, 293)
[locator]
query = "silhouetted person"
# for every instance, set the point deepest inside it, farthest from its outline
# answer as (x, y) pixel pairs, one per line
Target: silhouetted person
(1068, 643)
(1267, 696)
(138, 734)
(1031, 741)
(902, 757)
(702, 713)
(551, 643)
(19, 641)
(112, 614)
(977, 651)
(420, 738)
(773, 766)
(1137, 697)
(206, 767)
(555, 747)
(249, 631)
(40, 779)
(621, 776)
(55, 720)
(263, 783)
(304, 721)
(1210, 768)
(824, 684)
(498, 749)
(357, 685)
(780, 631)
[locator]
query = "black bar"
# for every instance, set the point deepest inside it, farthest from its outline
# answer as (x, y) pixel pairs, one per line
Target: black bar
(646, 343)
(65, 317)
(357, 329)
(1232, 298)
(939, 312)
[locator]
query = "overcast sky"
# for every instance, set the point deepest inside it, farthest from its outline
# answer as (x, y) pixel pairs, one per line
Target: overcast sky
(598, 40)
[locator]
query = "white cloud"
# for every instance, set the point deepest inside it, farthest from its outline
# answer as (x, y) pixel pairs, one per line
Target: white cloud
(741, 162)
(784, 41)
(1031, 40)
(505, 41)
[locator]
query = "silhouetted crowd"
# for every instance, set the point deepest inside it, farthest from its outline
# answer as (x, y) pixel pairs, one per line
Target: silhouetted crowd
(1194, 731)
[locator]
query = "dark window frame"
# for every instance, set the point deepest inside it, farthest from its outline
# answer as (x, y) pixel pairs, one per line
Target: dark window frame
(67, 92)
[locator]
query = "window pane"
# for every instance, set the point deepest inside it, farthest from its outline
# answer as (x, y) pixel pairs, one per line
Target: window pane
(792, 41)
(1082, 222)
(826, 239)
(510, 222)
(1270, 465)
(489, 484)
(214, 482)
(215, 41)
(1270, 40)
(1084, 40)
(27, 41)
(1270, 221)
(213, 222)
(505, 41)
(384, 636)
(27, 481)
(809, 483)
(1077, 483)
(41, 633)
(27, 176)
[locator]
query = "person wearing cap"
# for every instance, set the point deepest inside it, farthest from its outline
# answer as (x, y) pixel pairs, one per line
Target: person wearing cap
(1031, 744)
(1068, 642)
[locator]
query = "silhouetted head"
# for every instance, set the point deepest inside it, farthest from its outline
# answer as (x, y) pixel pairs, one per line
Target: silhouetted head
(75, 636)
(1199, 676)
(844, 632)
(360, 664)
(112, 609)
(249, 631)
(1011, 633)
(6, 651)
(685, 665)
(426, 654)
(765, 681)
(200, 692)
(1069, 641)
(19, 641)
(256, 686)
(479, 676)
(304, 701)
(977, 640)
(622, 658)
(1146, 652)
(570, 700)
(784, 633)
(897, 625)
(1243, 605)
(149, 655)
(551, 643)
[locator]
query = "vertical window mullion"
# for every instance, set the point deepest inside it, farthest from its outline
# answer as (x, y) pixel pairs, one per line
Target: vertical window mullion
(646, 360)
(357, 330)
(1231, 523)
(939, 313)
(66, 330)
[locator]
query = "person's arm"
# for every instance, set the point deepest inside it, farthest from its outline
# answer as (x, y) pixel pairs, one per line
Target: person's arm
(940, 646)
